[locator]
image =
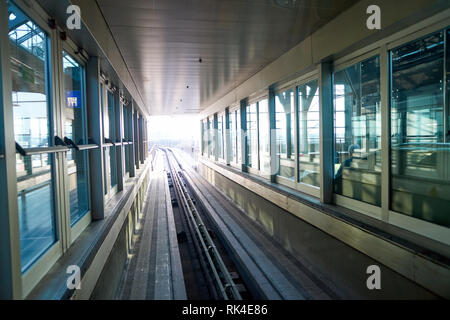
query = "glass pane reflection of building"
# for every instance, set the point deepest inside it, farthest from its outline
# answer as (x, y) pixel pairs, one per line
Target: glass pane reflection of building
(308, 133)
(420, 149)
(252, 135)
(285, 128)
(32, 128)
(75, 129)
(264, 136)
(357, 132)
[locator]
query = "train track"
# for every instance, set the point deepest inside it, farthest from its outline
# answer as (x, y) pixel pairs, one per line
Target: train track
(216, 272)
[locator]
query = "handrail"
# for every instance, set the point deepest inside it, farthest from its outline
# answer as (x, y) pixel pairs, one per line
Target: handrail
(105, 145)
(41, 150)
(87, 146)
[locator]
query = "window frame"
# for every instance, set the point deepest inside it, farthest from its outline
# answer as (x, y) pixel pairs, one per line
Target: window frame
(292, 85)
(383, 48)
(110, 192)
(222, 138)
(235, 108)
(255, 99)
(74, 231)
(343, 201)
(38, 269)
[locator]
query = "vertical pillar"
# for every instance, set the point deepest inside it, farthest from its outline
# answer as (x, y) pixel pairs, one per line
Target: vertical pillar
(244, 144)
(228, 146)
(326, 132)
(385, 133)
(136, 137)
(120, 152)
(95, 125)
(131, 137)
(10, 265)
(216, 138)
(273, 138)
(141, 138)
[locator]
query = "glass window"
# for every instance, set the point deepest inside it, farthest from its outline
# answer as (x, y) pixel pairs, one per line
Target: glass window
(233, 133)
(238, 137)
(420, 149)
(127, 137)
(32, 128)
(357, 132)
(252, 135)
(210, 137)
(75, 129)
(110, 169)
(220, 144)
(308, 133)
(285, 128)
(264, 136)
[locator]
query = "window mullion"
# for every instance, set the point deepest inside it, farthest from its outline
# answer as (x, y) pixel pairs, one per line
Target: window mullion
(385, 129)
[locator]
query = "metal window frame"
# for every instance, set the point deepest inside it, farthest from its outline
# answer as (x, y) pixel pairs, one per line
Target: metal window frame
(383, 48)
(31, 276)
(72, 232)
(350, 203)
(235, 108)
(223, 138)
(105, 89)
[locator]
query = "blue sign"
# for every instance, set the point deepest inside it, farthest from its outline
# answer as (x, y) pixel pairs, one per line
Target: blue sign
(73, 99)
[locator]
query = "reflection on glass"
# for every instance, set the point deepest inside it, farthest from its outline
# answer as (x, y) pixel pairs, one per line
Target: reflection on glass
(210, 137)
(285, 128)
(29, 59)
(357, 132)
(75, 129)
(233, 133)
(420, 148)
(252, 135)
(308, 133)
(238, 137)
(264, 136)
(220, 143)
(126, 136)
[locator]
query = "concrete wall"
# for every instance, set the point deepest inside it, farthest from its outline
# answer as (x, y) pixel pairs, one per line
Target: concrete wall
(333, 261)
(109, 280)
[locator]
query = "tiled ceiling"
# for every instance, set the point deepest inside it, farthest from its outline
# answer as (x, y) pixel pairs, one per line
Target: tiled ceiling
(162, 41)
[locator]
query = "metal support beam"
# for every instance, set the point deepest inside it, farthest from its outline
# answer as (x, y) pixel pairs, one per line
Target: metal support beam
(326, 132)
(95, 125)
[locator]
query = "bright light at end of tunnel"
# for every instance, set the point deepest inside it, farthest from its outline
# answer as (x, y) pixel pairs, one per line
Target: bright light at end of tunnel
(174, 128)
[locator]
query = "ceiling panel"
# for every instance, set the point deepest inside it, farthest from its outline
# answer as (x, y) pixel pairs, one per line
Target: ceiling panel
(162, 40)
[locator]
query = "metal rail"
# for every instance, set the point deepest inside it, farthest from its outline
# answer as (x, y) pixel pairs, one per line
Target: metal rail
(220, 273)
